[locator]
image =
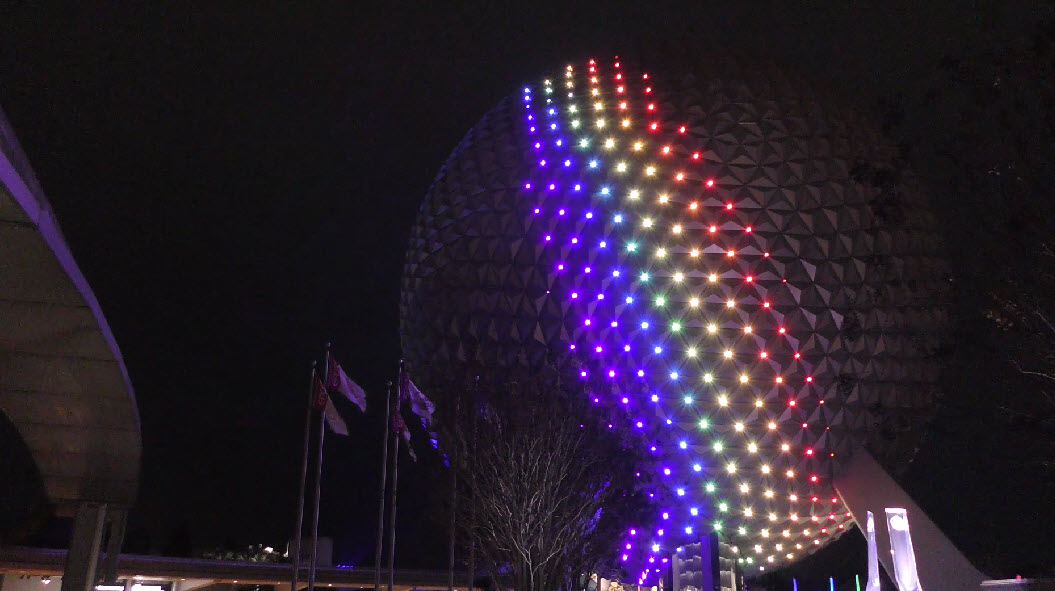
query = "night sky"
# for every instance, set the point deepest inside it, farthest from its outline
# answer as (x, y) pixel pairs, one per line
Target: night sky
(238, 184)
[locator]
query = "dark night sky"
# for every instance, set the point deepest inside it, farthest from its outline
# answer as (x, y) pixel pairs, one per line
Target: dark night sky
(238, 185)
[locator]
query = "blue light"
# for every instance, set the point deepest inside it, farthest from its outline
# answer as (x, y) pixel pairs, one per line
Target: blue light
(593, 163)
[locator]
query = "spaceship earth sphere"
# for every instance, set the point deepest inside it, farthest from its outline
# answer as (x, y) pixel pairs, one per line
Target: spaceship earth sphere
(696, 240)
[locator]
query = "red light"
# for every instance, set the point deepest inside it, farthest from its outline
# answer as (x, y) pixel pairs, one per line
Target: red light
(622, 105)
(592, 69)
(618, 76)
(792, 403)
(809, 452)
(617, 64)
(619, 89)
(750, 278)
(809, 378)
(710, 183)
(681, 129)
(654, 126)
(763, 354)
(798, 355)
(765, 254)
(831, 516)
(747, 229)
(782, 330)
(651, 106)
(666, 150)
(813, 478)
(648, 89)
(728, 205)
(834, 500)
(803, 425)
(731, 253)
(814, 499)
(695, 155)
(713, 229)
(644, 76)
(592, 61)
(680, 176)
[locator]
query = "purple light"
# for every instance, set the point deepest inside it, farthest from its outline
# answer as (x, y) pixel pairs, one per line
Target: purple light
(589, 215)
(528, 186)
(640, 373)
(578, 187)
(532, 129)
(560, 212)
(538, 145)
(574, 295)
(633, 532)
(587, 322)
(542, 162)
(548, 237)
(614, 324)
(611, 373)
(640, 424)
(586, 270)
(552, 186)
(537, 210)
(600, 296)
(666, 471)
(575, 240)
(626, 400)
(560, 267)
(567, 163)
(598, 348)
(583, 374)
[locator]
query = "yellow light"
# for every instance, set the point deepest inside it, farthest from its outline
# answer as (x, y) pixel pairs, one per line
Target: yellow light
(758, 403)
(571, 109)
(711, 328)
(731, 468)
(748, 512)
(596, 92)
(744, 488)
(765, 533)
(695, 252)
(713, 277)
(772, 425)
(694, 302)
(647, 222)
(626, 123)
(621, 167)
(651, 170)
(728, 354)
(765, 469)
(784, 447)
(723, 401)
(769, 494)
(772, 516)
(752, 447)
(634, 194)
(780, 380)
(609, 143)
(664, 198)
(678, 277)
(743, 379)
(661, 252)
(747, 329)
(793, 517)
(790, 473)
(730, 304)
(600, 123)
(638, 145)
(691, 352)
(793, 498)
(739, 427)
(676, 229)
(708, 378)
(598, 106)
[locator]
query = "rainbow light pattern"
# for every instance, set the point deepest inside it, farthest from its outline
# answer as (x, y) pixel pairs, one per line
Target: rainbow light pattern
(681, 304)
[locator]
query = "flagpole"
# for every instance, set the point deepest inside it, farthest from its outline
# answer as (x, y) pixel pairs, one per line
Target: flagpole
(454, 499)
(318, 480)
(381, 497)
(303, 481)
(395, 476)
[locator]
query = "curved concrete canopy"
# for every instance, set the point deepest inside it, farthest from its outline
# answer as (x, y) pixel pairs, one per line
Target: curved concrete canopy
(63, 383)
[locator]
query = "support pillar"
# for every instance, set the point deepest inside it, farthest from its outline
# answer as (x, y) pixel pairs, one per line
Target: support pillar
(83, 556)
(118, 519)
(863, 485)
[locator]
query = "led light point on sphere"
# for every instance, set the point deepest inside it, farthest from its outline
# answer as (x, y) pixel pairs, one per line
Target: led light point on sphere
(697, 240)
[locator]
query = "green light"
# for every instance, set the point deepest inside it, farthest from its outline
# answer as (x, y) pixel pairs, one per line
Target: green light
(717, 446)
(742, 531)
(644, 277)
(631, 247)
(717, 526)
(660, 301)
(675, 327)
(723, 506)
(704, 424)
(584, 143)
(710, 487)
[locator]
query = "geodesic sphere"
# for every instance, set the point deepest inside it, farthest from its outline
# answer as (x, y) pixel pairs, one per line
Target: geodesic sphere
(697, 241)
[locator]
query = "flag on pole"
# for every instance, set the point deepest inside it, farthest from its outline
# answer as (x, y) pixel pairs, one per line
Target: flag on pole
(338, 381)
(319, 398)
(334, 420)
(400, 429)
(419, 404)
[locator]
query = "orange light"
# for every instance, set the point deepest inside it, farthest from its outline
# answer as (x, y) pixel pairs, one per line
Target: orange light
(693, 205)
(731, 253)
(713, 229)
